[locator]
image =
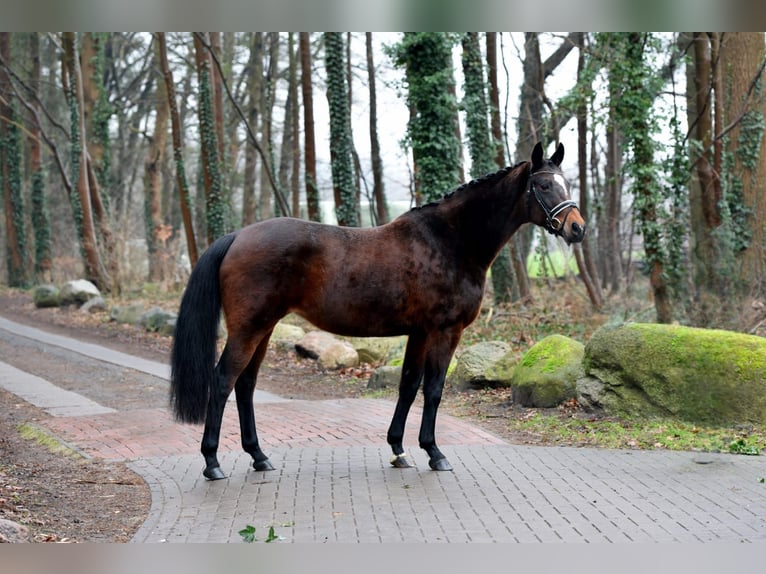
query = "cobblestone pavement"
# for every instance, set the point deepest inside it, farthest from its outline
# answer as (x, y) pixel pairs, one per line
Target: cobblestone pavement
(333, 482)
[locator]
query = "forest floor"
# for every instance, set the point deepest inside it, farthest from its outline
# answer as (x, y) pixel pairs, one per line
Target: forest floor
(64, 498)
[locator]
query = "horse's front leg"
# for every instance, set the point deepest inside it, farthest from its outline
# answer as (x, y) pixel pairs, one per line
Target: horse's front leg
(412, 373)
(436, 364)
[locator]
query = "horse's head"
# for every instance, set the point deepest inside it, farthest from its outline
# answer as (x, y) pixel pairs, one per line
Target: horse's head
(548, 198)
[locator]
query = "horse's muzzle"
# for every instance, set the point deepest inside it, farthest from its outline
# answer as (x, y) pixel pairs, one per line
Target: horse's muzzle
(576, 233)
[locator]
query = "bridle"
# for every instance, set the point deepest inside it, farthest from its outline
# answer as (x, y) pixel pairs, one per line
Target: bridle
(552, 223)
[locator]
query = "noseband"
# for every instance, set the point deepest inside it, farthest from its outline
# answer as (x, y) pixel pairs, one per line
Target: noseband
(552, 223)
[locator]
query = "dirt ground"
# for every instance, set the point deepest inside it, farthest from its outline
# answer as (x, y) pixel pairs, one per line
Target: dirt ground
(63, 497)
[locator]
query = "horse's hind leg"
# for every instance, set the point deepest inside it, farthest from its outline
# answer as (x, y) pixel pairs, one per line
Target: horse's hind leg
(233, 360)
(214, 418)
(244, 390)
(412, 372)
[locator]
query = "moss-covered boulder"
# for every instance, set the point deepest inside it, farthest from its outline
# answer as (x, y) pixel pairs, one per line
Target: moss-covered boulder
(699, 375)
(547, 373)
(475, 365)
(46, 296)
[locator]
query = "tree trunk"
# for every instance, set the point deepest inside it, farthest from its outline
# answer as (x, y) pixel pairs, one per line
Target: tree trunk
(153, 220)
(340, 138)
(583, 251)
(378, 190)
(183, 185)
(742, 55)
(295, 149)
(265, 202)
(211, 165)
(40, 217)
(10, 175)
(82, 206)
(312, 191)
(702, 203)
(254, 72)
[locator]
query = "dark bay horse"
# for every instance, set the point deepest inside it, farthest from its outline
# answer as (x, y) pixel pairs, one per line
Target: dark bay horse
(421, 275)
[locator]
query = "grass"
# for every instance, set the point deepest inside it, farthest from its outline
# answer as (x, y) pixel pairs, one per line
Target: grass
(641, 434)
(45, 439)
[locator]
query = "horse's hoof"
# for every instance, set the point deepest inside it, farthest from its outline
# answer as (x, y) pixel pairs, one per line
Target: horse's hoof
(213, 473)
(440, 464)
(400, 461)
(263, 465)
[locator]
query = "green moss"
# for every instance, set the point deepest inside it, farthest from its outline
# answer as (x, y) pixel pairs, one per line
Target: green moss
(45, 439)
(547, 373)
(696, 374)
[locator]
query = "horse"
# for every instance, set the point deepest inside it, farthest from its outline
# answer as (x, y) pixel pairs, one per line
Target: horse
(421, 275)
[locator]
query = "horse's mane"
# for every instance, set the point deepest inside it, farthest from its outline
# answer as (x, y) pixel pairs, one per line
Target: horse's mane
(488, 179)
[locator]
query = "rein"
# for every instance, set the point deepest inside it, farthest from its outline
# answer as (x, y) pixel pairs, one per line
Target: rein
(552, 223)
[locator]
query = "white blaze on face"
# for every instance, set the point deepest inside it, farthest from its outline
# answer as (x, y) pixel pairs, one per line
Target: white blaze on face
(559, 179)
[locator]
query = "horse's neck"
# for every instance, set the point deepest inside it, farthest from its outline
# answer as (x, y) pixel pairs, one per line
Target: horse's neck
(487, 218)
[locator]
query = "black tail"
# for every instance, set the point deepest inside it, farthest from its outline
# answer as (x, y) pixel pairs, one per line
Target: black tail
(192, 360)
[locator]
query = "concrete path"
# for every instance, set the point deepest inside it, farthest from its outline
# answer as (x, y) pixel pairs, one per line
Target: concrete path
(333, 482)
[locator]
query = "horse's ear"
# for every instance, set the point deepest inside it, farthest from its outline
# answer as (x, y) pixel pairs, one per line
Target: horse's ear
(537, 156)
(558, 157)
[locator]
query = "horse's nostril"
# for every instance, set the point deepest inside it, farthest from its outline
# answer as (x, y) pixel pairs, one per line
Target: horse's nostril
(578, 231)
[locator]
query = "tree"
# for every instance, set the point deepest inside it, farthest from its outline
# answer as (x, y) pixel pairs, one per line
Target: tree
(82, 198)
(378, 190)
(211, 164)
(268, 190)
(340, 136)
(254, 74)
(743, 58)
(10, 175)
(40, 215)
(153, 219)
(312, 191)
(633, 96)
(181, 182)
(427, 60)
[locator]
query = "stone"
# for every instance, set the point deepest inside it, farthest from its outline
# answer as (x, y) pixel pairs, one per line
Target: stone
(77, 292)
(376, 350)
(699, 375)
(13, 532)
(94, 305)
(385, 377)
(475, 365)
(547, 374)
(328, 350)
(285, 336)
(130, 314)
(155, 319)
(46, 296)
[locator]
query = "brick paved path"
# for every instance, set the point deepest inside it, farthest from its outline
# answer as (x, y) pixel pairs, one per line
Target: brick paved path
(333, 482)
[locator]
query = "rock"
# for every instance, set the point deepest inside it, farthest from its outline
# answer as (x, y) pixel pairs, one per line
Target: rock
(385, 377)
(547, 373)
(46, 296)
(155, 319)
(94, 305)
(329, 351)
(285, 336)
(13, 532)
(130, 314)
(699, 375)
(77, 292)
(475, 365)
(375, 350)
(313, 343)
